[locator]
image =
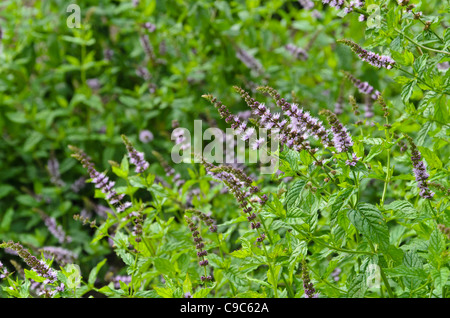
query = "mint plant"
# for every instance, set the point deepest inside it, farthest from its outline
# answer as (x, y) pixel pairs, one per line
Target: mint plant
(327, 177)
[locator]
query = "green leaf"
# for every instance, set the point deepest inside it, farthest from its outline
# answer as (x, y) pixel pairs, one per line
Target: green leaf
(409, 58)
(358, 149)
(420, 64)
(94, 272)
(17, 117)
(369, 221)
(110, 292)
(407, 91)
(202, 293)
(32, 141)
(411, 259)
(164, 266)
(272, 278)
(357, 287)
(187, 285)
(441, 109)
(137, 181)
(5, 189)
(6, 220)
(373, 141)
(34, 276)
(436, 243)
(423, 132)
(440, 277)
(430, 156)
(402, 209)
(374, 151)
(404, 271)
(124, 165)
(119, 172)
(306, 158)
(163, 292)
(341, 201)
(293, 196)
(241, 253)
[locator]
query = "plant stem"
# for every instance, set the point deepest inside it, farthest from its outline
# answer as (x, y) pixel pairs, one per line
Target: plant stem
(355, 177)
(386, 182)
(274, 286)
(420, 45)
(342, 249)
(383, 276)
(322, 165)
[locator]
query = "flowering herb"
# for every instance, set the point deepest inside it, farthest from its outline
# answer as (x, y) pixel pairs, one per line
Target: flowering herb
(419, 170)
(341, 137)
(372, 58)
(354, 203)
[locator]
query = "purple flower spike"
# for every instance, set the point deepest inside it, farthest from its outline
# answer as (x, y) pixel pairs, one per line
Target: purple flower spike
(372, 58)
(136, 157)
(420, 171)
(341, 138)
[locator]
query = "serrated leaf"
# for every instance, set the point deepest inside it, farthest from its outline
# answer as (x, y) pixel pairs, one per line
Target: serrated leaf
(163, 266)
(110, 292)
(412, 259)
(241, 253)
(402, 209)
(341, 201)
(420, 64)
(137, 181)
(357, 287)
(407, 91)
(369, 221)
(436, 243)
(430, 156)
(293, 196)
(440, 277)
(441, 109)
(374, 151)
(163, 292)
(119, 172)
(258, 281)
(373, 141)
(202, 293)
(34, 276)
(404, 271)
(423, 132)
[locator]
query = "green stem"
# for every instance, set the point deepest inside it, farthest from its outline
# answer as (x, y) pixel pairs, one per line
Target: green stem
(274, 285)
(432, 210)
(383, 276)
(386, 182)
(420, 45)
(408, 38)
(440, 39)
(323, 167)
(150, 248)
(326, 282)
(342, 249)
(355, 177)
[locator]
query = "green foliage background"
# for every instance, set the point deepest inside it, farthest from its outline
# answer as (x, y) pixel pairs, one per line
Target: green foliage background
(46, 102)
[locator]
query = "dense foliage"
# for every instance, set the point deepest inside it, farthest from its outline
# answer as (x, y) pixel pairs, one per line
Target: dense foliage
(93, 204)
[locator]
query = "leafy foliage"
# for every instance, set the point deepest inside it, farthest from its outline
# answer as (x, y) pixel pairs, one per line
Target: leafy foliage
(366, 215)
